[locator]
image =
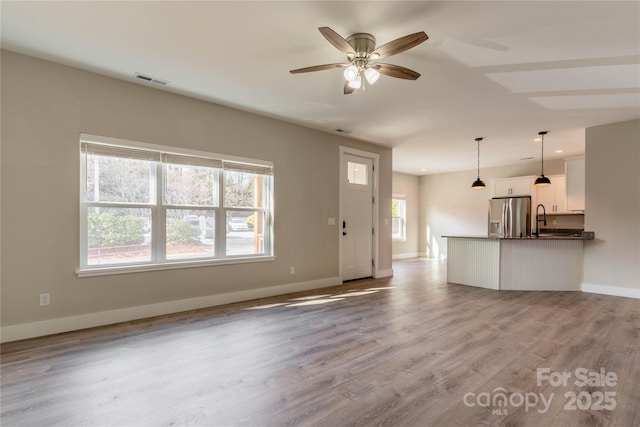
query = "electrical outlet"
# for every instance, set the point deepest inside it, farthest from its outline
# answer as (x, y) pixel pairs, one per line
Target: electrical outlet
(292, 270)
(45, 299)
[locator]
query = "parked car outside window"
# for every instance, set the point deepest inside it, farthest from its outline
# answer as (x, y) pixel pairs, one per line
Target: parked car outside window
(238, 224)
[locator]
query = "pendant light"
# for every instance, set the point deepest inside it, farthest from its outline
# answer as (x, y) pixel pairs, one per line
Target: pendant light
(478, 184)
(542, 180)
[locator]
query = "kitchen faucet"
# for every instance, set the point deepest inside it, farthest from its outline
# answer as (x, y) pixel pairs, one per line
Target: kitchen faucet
(544, 218)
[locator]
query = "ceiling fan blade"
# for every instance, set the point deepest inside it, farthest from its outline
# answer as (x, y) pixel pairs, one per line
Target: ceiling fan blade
(399, 45)
(317, 68)
(347, 89)
(396, 71)
(337, 40)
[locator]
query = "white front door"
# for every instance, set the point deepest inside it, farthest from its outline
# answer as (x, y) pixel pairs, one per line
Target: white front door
(357, 217)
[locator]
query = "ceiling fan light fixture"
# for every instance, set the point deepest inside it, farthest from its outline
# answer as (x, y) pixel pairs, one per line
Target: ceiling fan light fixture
(356, 83)
(372, 75)
(360, 49)
(351, 73)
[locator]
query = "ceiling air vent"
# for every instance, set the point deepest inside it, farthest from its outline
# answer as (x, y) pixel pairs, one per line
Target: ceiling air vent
(151, 79)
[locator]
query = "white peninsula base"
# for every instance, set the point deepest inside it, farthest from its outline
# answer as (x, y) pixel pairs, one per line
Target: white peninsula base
(516, 264)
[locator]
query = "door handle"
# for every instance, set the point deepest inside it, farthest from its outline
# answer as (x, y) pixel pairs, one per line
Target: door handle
(504, 220)
(344, 224)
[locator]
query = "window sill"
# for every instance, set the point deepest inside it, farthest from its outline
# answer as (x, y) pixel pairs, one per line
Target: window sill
(398, 240)
(105, 271)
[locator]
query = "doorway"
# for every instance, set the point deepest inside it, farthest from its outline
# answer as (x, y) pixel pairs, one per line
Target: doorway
(357, 230)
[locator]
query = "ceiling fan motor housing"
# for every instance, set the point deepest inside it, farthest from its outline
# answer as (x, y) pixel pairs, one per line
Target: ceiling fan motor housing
(362, 43)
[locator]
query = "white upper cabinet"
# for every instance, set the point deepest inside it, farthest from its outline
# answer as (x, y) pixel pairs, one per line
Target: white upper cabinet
(575, 173)
(507, 187)
(553, 196)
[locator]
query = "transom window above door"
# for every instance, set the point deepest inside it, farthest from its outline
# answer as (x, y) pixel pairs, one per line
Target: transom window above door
(357, 173)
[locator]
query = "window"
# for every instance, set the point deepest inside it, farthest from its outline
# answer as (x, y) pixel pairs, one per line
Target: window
(148, 205)
(357, 173)
(399, 220)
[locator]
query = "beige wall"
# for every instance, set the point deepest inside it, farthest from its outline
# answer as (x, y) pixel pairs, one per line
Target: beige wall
(448, 205)
(409, 187)
(45, 107)
(612, 208)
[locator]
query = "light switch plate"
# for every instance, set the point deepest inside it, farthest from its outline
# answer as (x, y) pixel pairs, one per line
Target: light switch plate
(332, 221)
(45, 299)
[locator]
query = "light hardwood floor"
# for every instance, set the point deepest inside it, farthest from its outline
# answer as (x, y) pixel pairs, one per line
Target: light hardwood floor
(403, 351)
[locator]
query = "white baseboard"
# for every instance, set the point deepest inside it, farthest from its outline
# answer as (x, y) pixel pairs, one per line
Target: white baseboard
(425, 255)
(384, 273)
(406, 255)
(611, 290)
(83, 321)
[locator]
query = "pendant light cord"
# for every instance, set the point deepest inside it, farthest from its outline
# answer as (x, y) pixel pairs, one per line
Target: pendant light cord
(478, 184)
(542, 180)
(478, 140)
(542, 134)
(542, 166)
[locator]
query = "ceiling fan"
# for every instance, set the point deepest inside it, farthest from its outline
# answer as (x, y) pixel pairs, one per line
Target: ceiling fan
(362, 54)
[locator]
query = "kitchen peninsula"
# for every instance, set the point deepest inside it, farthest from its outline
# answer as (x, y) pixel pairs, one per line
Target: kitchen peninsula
(546, 263)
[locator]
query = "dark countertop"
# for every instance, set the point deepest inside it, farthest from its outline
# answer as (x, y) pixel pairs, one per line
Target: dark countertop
(542, 237)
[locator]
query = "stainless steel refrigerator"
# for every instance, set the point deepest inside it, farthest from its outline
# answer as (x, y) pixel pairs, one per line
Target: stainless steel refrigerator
(510, 217)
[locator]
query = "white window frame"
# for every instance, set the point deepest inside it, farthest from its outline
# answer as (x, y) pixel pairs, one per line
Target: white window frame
(158, 208)
(401, 198)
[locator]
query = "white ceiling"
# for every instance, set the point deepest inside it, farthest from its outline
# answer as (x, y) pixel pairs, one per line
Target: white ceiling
(499, 70)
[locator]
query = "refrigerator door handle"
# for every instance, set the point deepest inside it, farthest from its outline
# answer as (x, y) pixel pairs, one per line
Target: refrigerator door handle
(507, 222)
(504, 220)
(510, 218)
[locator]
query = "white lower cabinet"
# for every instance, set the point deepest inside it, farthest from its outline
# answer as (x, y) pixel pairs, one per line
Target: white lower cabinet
(515, 264)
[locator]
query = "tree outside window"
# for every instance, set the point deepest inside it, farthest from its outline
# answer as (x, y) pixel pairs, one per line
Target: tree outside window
(147, 204)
